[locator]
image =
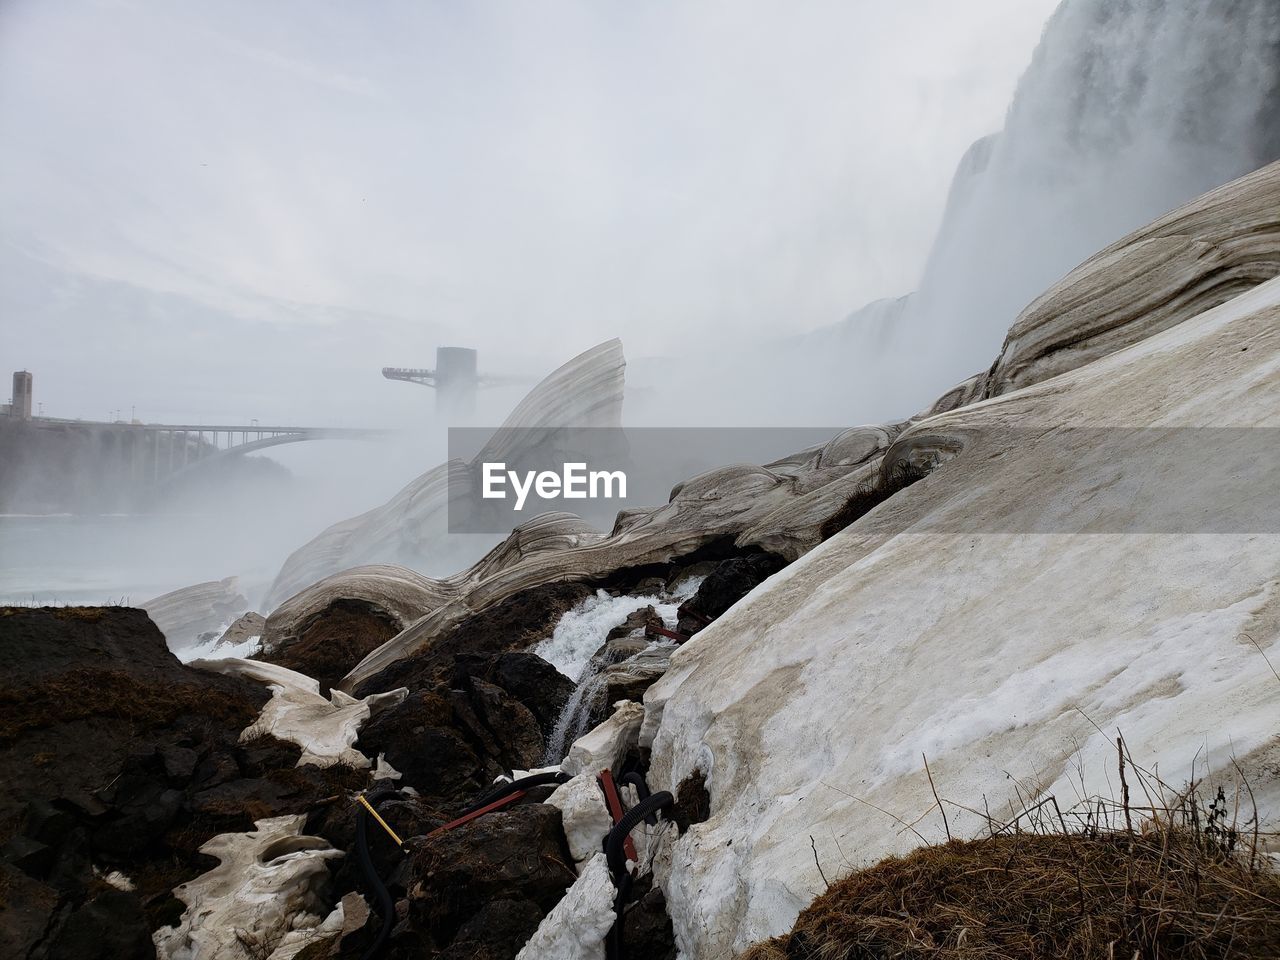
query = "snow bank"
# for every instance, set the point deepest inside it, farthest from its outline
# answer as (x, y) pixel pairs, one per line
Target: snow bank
(1009, 659)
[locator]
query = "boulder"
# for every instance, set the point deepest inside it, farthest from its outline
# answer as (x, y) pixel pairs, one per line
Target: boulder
(509, 856)
(731, 580)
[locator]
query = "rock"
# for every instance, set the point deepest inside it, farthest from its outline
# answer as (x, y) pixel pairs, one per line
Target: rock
(496, 932)
(575, 929)
(268, 882)
(1096, 620)
(449, 744)
(630, 679)
(528, 678)
(183, 615)
(111, 926)
(648, 930)
(248, 626)
(584, 816)
(27, 909)
(732, 580)
(325, 729)
(332, 641)
(98, 689)
(606, 746)
(508, 855)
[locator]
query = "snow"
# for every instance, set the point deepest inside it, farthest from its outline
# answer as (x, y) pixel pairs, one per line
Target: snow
(216, 651)
(576, 927)
(325, 729)
(1010, 660)
(584, 815)
(606, 746)
(268, 882)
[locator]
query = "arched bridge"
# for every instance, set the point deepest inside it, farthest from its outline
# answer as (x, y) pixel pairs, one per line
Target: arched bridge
(154, 453)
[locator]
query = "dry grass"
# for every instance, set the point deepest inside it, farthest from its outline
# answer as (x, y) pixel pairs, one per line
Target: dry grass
(1178, 878)
(1162, 894)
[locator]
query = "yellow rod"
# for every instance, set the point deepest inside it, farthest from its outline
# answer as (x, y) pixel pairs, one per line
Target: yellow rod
(391, 833)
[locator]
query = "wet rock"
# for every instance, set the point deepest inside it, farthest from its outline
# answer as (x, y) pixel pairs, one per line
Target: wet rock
(517, 854)
(731, 580)
(528, 678)
(419, 737)
(513, 625)
(449, 744)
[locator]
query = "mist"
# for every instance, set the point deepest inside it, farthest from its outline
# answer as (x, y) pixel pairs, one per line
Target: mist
(791, 216)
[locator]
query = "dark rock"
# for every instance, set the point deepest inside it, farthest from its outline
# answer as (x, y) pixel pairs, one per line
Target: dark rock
(179, 762)
(451, 743)
(257, 756)
(516, 854)
(104, 738)
(515, 624)
(27, 912)
(334, 641)
(646, 925)
(420, 740)
(535, 683)
(32, 857)
(514, 727)
(731, 580)
(497, 932)
(109, 927)
(636, 620)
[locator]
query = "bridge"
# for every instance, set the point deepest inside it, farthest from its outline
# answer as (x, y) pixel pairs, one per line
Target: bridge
(149, 454)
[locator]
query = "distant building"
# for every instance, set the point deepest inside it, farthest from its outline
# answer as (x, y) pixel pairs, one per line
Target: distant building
(20, 406)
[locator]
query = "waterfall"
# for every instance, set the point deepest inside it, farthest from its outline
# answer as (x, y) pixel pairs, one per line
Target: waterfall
(572, 648)
(1128, 109)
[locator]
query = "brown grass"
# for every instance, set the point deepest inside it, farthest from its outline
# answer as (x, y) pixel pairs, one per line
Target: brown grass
(1181, 878)
(868, 496)
(1048, 897)
(83, 694)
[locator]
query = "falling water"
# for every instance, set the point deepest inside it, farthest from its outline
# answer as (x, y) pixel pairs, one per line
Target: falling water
(572, 646)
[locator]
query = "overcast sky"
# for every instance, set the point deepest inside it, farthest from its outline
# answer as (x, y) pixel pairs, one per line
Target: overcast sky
(244, 209)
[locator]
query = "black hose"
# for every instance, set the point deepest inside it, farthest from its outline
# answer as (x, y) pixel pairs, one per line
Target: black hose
(615, 856)
(636, 779)
(385, 904)
(524, 783)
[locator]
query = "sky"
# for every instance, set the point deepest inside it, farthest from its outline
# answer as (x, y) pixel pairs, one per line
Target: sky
(244, 209)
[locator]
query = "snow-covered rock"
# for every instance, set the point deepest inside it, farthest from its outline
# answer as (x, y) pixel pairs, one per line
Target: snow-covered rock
(268, 882)
(325, 728)
(576, 927)
(1004, 617)
(397, 593)
(780, 506)
(606, 746)
(584, 815)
